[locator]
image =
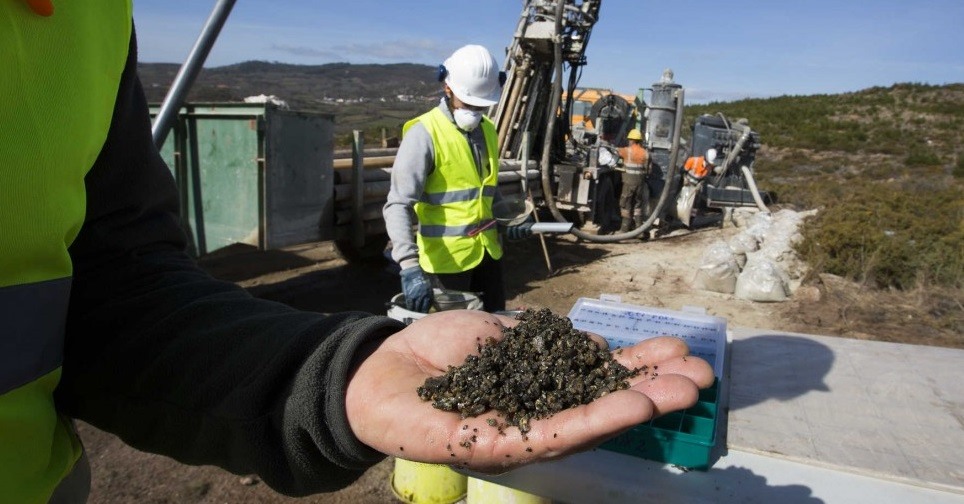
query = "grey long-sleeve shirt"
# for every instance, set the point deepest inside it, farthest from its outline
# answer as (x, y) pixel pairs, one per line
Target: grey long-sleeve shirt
(414, 162)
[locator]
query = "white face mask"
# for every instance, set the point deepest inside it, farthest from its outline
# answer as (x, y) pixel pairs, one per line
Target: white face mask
(467, 119)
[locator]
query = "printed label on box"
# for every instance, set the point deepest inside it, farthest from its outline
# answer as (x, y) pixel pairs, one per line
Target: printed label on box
(624, 325)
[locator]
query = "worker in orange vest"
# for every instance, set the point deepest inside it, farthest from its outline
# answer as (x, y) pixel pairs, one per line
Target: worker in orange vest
(698, 167)
(695, 170)
(635, 193)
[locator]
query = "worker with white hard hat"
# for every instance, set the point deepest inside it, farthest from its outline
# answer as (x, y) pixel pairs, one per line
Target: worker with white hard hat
(438, 212)
(698, 167)
(695, 170)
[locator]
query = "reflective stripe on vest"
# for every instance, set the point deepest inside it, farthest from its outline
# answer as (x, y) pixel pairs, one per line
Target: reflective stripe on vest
(457, 196)
(455, 210)
(32, 343)
(437, 231)
(635, 156)
(59, 80)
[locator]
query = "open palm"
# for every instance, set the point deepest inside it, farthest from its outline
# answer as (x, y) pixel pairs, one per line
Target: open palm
(386, 413)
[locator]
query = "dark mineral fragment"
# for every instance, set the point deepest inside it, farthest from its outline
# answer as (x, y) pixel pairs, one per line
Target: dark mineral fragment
(540, 367)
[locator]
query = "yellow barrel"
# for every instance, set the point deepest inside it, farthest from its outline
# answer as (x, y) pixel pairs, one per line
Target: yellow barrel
(485, 492)
(418, 483)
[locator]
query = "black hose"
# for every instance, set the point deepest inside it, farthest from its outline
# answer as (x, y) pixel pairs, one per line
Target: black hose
(546, 162)
(668, 188)
(551, 118)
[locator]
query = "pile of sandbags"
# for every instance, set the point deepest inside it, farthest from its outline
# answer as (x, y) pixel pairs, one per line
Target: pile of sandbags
(759, 263)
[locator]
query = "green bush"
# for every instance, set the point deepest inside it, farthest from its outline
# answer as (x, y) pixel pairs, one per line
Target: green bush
(875, 163)
(921, 156)
(890, 235)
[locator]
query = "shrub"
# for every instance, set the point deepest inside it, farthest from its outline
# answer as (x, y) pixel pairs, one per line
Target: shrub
(921, 156)
(890, 235)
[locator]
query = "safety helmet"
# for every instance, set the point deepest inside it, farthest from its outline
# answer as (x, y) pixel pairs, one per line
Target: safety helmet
(634, 134)
(473, 75)
(711, 156)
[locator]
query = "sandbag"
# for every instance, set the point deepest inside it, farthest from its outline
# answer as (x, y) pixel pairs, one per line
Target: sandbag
(782, 236)
(741, 245)
(718, 269)
(762, 280)
(759, 225)
(744, 243)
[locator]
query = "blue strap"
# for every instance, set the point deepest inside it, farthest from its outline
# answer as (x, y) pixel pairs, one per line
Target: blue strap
(33, 318)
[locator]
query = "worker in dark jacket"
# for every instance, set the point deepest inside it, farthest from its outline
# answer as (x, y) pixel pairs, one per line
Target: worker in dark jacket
(104, 318)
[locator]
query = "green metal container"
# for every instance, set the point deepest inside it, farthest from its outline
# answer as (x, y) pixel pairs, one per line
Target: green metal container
(252, 173)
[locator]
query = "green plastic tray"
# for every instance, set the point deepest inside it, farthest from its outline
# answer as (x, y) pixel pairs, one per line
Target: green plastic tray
(684, 438)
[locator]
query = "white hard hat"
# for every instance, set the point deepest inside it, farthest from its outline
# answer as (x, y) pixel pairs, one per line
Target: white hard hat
(711, 156)
(473, 75)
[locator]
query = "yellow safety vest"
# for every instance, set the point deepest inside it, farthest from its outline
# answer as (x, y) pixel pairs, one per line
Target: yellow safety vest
(59, 76)
(455, 220)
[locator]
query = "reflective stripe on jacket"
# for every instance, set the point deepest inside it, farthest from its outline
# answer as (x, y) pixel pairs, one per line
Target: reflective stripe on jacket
(59, 83)
(456, 226)
(634, 157)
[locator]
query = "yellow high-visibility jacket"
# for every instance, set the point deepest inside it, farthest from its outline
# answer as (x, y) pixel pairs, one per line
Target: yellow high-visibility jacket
(105, 318)
(455, 221)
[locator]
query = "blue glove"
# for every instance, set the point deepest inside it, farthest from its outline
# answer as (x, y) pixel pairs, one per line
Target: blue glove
(417, 289)
(519, 231)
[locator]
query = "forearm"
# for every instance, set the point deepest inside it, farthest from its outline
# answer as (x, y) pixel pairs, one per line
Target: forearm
(176, 362)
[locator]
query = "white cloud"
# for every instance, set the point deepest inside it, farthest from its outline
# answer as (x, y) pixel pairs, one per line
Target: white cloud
(396, 51)
(305, 51)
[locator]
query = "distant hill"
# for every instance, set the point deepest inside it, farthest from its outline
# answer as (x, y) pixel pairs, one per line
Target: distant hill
(304, 87)
(366, 97)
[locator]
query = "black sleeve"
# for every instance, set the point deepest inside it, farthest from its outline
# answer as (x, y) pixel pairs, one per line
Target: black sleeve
(178, 363)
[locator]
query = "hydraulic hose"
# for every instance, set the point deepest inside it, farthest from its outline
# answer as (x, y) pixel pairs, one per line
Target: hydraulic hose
(747, 174)
(734, 152)
(546, 162)
(668, 188)
(753, 189)
(546, 151)
(551, 117)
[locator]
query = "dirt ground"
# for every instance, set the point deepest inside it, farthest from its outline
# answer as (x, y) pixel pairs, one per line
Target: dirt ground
(657, 273)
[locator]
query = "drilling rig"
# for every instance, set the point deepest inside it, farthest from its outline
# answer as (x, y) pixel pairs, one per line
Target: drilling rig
(578, 167)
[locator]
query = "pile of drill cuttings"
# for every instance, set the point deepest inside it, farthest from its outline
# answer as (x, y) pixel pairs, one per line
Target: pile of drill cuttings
(540, 367)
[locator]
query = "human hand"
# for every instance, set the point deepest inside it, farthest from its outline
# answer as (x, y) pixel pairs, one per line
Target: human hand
(417, 289)
(386, 413)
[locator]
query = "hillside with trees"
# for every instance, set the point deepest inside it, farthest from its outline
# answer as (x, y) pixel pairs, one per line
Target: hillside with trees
(365, 97)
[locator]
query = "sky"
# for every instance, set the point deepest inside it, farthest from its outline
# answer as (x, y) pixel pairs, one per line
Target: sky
(718, 51)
